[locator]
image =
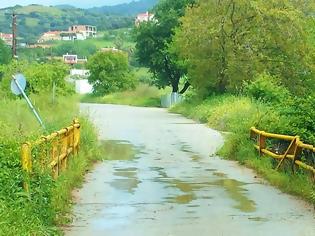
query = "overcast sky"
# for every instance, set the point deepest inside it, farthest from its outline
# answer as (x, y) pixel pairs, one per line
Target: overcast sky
(76, 3)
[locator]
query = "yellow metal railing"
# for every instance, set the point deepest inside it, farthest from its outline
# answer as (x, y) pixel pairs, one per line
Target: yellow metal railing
(292, 153)
(53, 151)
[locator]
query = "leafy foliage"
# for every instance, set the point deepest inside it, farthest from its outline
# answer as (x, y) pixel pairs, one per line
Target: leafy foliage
(80, 48)
(110, 72)
(5, 53)
(40, 77)
(153, 39)
(227, 42)
(267, 88)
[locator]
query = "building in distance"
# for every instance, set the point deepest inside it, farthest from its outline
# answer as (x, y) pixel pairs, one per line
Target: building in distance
(143, 17)
(88, 31)
(7, 38)
(49, 36)
(75, 32)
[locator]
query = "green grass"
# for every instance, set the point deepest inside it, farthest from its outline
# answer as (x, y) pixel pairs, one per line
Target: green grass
(48, 205)
(31, 22)
(143, 95)
(41, 9)
(236, 115)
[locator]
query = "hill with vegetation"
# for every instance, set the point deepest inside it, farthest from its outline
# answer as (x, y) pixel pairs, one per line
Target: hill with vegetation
(130, 9)
(34, 19)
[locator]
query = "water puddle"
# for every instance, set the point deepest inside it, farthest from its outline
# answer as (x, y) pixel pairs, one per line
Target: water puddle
(119, 150)
(122, 151)
(129, 183)
(189, 191)
(195, 158)
(186, 148)
(258, 219)
(237, 193)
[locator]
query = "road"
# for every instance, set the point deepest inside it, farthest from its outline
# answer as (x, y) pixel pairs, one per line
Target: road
(165, 179)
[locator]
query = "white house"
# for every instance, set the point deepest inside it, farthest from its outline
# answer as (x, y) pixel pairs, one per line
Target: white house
(143, 17)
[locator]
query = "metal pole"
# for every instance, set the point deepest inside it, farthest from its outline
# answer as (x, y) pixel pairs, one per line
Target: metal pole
(14, 24)
(29, 103)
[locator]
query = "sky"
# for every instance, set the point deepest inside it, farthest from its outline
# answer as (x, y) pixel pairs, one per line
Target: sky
(76, 3)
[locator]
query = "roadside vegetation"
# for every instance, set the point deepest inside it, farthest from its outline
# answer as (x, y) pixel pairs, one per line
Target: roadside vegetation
(142, 96)
(246, 63)
(47, 205)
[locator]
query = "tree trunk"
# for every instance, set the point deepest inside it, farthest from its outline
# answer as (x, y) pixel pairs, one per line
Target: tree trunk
(186, 86)
(175, 87)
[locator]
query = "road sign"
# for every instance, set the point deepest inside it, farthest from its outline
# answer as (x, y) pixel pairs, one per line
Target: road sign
(18, 85)
(20, 79)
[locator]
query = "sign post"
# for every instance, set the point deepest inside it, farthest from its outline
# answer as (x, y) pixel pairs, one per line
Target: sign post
(18, 85)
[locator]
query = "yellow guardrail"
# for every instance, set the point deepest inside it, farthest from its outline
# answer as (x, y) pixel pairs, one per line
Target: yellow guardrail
(292, 153)
(53, 151)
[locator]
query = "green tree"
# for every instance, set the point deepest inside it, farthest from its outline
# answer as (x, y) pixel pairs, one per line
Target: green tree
(5, 53)
(40, 77)
(110, 72)
(80, 48)
(225, 43)
(153, 39)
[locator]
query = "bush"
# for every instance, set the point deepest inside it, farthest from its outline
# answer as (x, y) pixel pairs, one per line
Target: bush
(110, 72)
(266, 88)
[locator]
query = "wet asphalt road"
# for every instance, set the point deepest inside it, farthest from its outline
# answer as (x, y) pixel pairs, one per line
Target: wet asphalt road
(163, 178)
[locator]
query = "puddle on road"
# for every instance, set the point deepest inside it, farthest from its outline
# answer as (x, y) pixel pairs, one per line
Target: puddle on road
(122, 151)
(258, 219)
(119, 150)
(195, 158)
(130, 181)
(189, 191)
(237, 193)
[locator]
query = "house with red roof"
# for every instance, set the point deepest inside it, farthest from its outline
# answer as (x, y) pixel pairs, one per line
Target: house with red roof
(7, 38)
(143, 17)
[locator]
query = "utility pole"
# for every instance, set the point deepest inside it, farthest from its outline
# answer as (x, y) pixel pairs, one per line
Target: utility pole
(14, 35)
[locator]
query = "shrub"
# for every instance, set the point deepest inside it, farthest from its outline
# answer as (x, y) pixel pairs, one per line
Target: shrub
(266, 88)
(110, 72)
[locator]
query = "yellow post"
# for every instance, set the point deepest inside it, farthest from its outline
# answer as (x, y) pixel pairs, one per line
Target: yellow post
(26, 156)
(76, 135)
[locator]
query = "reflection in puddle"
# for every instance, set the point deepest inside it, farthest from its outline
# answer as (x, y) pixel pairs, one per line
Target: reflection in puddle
(237, 193)
(233, 188)
(119, 150)
(219, 174)
(129, 183)
(186, 148)
(195, 157)
(258, 219)
(182, 199)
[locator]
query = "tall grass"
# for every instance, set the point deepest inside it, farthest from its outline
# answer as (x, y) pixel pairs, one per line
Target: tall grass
(236, 115)
(143, 95)
(48, 203)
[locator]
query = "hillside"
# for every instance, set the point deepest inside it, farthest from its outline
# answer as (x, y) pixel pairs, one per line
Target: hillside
(130, 9)
(34, 19)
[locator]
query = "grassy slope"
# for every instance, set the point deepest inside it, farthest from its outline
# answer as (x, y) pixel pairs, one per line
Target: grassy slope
(40, 9)
(49, 203)
(237, 115)
(143, 95)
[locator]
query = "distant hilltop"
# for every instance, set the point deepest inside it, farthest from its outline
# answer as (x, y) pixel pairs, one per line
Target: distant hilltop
(33, 20)
(126, 9)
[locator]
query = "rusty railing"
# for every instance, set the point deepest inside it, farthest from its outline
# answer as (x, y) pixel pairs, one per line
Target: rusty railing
(292, 151)
(52, 151)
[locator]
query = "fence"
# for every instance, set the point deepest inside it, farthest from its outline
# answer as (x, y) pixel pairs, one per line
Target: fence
(169, 100)
(52, 151)
(291, 149)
